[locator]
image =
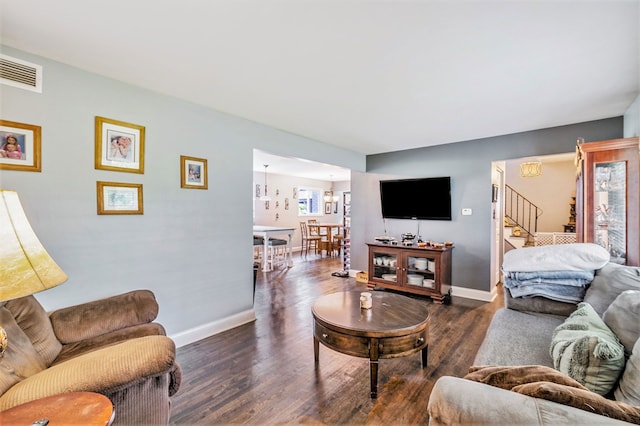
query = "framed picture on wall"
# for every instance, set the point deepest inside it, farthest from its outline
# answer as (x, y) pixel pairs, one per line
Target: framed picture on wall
(327, 207)
(119, 146)
(119, 198)
(193, 173)
(335, 207)
(20, 146)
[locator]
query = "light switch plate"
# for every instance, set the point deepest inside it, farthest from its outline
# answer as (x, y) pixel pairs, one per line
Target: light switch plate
(467, 212)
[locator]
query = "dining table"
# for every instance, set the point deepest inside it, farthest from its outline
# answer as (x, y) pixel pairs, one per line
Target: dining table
(267, 232)
(317, 229)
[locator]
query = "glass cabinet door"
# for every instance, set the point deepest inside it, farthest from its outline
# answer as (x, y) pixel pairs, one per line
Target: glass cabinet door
(609, 209)
(607, 197)
(385, 266)
(421, 271)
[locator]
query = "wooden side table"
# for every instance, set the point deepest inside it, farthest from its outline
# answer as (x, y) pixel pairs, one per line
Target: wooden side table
(85, 408)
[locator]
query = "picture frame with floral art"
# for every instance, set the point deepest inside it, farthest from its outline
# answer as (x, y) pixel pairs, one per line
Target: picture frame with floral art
(327, 207)
(119, 198)
(119, 146)
(193, 173)
(20, 146)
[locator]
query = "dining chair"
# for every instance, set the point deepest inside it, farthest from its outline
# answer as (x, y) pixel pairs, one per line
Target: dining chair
(308, 240)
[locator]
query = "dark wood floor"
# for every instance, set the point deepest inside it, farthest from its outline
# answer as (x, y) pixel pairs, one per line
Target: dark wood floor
(264, 372)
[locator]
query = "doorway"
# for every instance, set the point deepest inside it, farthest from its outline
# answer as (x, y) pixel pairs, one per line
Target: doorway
(552, 190)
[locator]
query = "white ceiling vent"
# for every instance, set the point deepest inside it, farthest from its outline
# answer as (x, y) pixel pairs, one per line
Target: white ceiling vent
(18, 73)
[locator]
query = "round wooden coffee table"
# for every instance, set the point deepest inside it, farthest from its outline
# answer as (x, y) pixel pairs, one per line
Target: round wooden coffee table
(73, 408)
(395, 326)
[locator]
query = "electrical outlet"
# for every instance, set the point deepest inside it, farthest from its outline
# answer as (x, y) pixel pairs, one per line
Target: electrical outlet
(467, 212)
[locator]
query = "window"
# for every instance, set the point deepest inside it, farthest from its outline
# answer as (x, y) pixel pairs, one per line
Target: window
(309, 202)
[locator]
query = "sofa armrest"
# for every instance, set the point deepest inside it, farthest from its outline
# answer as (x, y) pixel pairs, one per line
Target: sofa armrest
(104, 371)
(87, 320)
(456, 401)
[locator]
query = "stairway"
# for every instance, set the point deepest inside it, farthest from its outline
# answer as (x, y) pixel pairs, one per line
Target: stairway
(520, 220)
(512, 240)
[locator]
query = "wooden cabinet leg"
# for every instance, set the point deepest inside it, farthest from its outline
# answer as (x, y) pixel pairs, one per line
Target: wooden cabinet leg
(316, 349)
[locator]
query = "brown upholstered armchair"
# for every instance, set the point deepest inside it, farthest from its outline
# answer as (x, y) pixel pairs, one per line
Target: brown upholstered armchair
(110, 346)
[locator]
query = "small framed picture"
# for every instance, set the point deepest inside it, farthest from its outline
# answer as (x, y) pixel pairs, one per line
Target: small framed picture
(335, 207)
(119, 198)
(193, 173)
(119, 146)
(20, 146)
(327, 208)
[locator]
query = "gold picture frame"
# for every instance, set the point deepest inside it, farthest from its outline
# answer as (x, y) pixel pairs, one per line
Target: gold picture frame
(119, 198)
(25, 141)
(193, 173)
(119, 146)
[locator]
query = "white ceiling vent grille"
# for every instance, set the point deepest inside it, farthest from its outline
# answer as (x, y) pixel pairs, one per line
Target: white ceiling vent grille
(19, 73)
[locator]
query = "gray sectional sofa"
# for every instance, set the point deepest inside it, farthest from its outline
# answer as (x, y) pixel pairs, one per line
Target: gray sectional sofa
(521, 334)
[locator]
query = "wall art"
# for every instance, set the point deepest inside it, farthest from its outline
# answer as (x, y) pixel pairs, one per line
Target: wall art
(119, 146)
(20, 146)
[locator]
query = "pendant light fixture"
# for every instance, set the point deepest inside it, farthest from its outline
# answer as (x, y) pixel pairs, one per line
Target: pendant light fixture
(265, 197)
(531, 168)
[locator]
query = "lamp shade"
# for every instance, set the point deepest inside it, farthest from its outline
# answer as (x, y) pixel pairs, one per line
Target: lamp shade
(25, 266)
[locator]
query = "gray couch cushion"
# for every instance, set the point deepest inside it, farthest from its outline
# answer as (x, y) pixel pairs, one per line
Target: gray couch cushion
(518, 338)
(538, 304)
(609, 282)
(628, 389)
(623, 318)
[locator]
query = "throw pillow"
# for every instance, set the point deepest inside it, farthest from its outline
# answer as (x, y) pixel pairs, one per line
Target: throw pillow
(623, 318)
(506, 377)
(582, 399)
(584, 348)
(20, 360)
(628, 389)
(609, 282)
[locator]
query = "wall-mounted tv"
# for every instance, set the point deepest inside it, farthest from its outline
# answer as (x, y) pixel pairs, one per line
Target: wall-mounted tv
(421, 199)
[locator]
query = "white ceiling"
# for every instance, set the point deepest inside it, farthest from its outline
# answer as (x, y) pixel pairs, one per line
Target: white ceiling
(291, 166)
(371, 76)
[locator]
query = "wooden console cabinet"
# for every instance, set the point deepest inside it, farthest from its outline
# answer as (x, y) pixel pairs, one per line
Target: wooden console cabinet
(412, 269)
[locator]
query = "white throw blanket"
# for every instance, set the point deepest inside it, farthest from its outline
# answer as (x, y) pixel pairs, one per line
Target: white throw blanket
(561, 257)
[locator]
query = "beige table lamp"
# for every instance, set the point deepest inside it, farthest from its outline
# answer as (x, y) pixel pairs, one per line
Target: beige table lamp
(25, 266)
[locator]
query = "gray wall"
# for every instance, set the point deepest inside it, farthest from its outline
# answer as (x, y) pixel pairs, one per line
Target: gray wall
(632, 119)
(469, 165)
(193, 248)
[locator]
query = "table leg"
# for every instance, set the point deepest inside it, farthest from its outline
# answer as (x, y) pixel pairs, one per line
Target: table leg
(316, 349)
(265, 245)
(290, 261)
(424, 353)
(373, 367)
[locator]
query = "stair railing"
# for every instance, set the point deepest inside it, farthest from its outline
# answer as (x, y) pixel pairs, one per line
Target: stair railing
(520, 211)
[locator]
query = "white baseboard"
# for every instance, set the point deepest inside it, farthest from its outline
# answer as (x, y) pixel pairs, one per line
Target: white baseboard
(469, 293)
(198, 333)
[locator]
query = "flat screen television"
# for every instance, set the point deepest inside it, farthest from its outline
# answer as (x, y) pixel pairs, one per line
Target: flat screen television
(421, 199)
